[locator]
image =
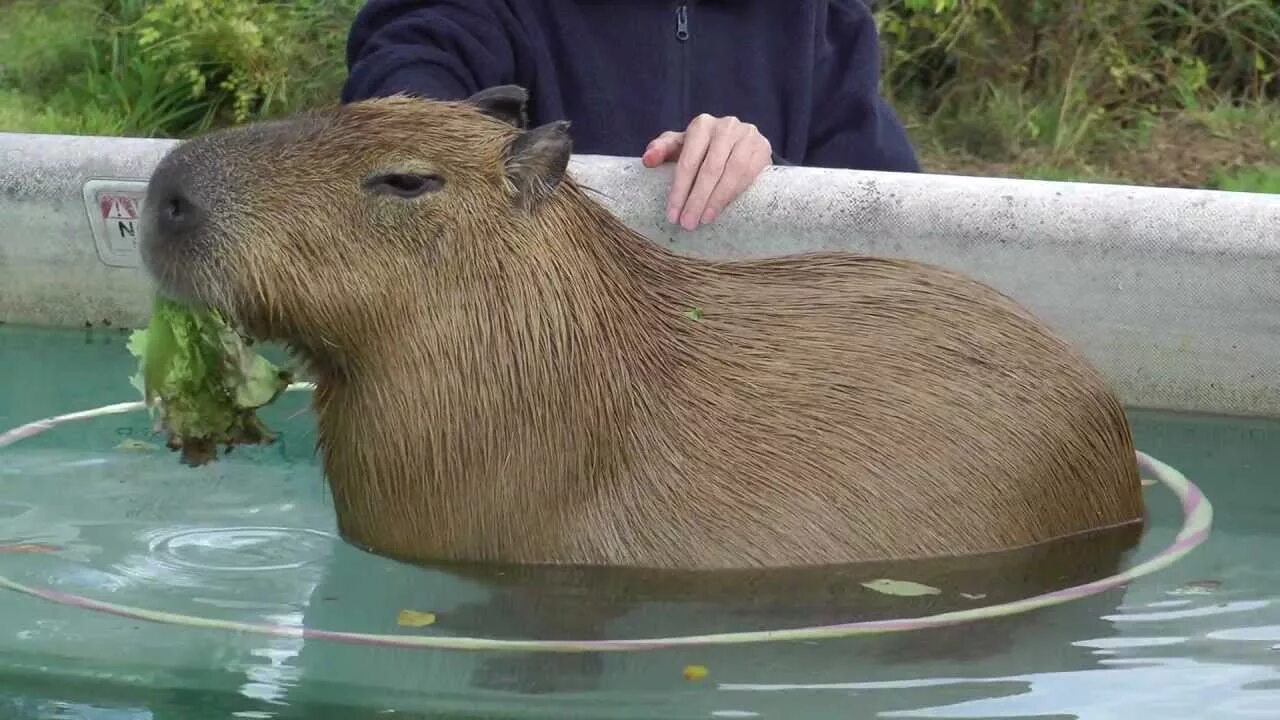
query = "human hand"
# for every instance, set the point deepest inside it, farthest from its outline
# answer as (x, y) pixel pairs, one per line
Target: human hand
(716, 159)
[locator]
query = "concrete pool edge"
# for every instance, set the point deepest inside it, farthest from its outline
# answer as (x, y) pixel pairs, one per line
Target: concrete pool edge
(1171, 293)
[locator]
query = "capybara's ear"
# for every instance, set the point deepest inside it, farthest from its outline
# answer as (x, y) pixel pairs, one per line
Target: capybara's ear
(505, 102)
(536, 162)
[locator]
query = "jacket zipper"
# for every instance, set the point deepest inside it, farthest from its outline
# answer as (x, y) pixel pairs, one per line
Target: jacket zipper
(682, 36)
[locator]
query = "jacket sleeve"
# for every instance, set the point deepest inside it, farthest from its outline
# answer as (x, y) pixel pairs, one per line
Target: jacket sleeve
(441, 49)
(853, 126)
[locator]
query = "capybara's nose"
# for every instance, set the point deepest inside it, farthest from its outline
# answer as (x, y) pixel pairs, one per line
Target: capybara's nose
(177, 215)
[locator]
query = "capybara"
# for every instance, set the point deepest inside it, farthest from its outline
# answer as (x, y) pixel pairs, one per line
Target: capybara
(506, 372)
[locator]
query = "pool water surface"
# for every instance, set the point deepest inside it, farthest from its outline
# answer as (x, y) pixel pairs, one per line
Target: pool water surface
(100, 509)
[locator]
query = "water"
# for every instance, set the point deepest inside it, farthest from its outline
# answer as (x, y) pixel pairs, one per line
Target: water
(96, 508)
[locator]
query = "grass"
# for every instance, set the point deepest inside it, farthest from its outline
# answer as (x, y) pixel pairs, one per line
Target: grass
(1263, 180)
(75, 68)
(1162, 92)
(1158, 92)
(167, 68)
(1229, 147)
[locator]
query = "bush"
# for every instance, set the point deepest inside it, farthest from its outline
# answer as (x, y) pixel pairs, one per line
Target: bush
(1050, 73)
(168, 67)
(251, 58)
(1121, 53)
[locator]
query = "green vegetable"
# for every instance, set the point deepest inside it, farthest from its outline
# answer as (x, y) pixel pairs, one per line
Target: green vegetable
(202, 381)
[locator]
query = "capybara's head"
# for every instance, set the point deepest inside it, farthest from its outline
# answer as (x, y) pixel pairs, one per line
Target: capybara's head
(318, 227)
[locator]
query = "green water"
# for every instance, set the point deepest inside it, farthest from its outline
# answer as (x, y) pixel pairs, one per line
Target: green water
(251, 538)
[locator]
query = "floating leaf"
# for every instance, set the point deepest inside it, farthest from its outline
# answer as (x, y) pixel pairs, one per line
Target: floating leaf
(129, 444)
(1197, 587)
(903, 588)
(29, 548)
(973, 596)
(413, 618)
(694, 672)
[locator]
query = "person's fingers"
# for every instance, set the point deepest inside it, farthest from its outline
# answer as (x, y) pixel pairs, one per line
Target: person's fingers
(749, 157)
(728, 133)
(662, 148)
(761, 158)
(696, 140)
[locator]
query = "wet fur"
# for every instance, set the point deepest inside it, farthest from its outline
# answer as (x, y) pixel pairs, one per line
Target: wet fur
(507, 373)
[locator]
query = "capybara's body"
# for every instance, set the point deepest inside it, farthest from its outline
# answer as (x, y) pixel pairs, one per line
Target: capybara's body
(507, 373)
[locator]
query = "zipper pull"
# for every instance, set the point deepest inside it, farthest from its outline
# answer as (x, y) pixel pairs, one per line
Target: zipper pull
(682, 22)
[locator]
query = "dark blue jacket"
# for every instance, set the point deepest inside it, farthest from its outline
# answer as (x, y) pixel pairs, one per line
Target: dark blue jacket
(623, 71)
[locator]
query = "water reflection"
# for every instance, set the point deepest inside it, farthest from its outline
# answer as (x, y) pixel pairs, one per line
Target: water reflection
(598, 603)
(271, 670)
(1260, 633)
(1169, 689)
(138, 530)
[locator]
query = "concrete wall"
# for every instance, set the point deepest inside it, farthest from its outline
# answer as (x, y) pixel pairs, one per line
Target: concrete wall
(1175, 294)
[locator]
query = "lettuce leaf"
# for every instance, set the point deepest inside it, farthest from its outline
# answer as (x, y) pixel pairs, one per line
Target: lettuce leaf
(202, 382)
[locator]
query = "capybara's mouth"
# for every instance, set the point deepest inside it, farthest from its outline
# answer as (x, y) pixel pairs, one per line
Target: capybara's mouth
(172, 277)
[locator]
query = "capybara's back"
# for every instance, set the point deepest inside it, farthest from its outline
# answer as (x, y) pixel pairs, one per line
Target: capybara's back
(840, 407)
(508, 373)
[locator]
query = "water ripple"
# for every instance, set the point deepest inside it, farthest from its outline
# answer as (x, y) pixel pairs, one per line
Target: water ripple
(196, 557)
(1211, 610)
(1117, 643)
(1257, 633)
(239, 549)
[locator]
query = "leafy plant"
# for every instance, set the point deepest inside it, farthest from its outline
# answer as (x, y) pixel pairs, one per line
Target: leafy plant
(1076, 73)
(167, 67)
(1259, 180)
(247, 54)
(202, 381)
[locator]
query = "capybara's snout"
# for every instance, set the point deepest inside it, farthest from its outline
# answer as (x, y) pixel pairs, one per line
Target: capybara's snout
(177, 213)
(173, 228)
(207, 200)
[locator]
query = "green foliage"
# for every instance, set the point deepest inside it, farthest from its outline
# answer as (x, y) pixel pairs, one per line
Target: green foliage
(1063, 174)
(78, 69)
(1129, 53)
(41, 43)
(251, 58)
(166, 67)
(202, 381)
(1259, 180)
(994, 76)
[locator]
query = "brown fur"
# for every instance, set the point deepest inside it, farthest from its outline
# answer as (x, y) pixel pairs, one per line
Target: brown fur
(508, 373)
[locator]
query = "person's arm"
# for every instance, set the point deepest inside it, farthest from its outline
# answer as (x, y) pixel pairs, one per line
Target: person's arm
(853, 126)
(444, 49)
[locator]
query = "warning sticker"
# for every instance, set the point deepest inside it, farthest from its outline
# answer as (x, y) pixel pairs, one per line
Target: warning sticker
(118, 207)
(114, 207)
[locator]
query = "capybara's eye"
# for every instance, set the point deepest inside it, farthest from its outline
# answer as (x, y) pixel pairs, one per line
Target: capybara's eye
(405, 185)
